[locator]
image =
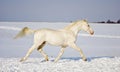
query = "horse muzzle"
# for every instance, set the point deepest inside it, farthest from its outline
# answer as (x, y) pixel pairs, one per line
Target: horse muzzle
(90, 31)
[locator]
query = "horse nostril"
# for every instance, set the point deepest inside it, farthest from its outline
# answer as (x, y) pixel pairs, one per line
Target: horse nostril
(92, 33)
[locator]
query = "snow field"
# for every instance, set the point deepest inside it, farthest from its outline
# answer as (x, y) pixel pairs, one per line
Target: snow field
(63, 65)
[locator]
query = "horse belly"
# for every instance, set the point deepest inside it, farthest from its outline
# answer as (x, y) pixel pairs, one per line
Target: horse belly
(55, 39)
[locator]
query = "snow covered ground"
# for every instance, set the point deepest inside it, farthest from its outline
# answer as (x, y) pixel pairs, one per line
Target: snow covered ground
(104, 64)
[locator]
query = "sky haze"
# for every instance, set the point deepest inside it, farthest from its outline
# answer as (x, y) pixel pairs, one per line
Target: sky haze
(59, 10)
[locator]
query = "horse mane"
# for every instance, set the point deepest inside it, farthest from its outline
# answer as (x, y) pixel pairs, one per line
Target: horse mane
(73, 23)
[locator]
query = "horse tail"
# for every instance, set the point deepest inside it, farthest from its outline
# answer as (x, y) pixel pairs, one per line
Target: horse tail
(25, 31)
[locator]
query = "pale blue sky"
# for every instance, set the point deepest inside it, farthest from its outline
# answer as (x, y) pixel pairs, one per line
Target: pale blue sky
(59, 10)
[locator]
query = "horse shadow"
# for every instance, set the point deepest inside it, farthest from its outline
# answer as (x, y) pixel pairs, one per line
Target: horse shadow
(89, 59)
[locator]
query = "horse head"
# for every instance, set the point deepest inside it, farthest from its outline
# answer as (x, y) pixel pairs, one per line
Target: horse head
(86, 27)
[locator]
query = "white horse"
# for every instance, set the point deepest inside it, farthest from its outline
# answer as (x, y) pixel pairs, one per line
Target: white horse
(64, 37)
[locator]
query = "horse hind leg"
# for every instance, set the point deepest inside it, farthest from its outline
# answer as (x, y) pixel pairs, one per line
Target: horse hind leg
(41, 50)
(29, 52)
(41, 46)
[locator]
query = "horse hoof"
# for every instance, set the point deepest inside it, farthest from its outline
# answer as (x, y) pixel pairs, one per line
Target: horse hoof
(22, 60)
(84, 59)
(47, 59)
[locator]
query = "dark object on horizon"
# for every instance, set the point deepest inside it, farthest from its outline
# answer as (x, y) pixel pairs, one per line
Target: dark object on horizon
(118, 21)
(109, 21)
(101, 22)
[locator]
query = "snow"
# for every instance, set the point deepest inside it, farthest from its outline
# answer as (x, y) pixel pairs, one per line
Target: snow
(103, 64)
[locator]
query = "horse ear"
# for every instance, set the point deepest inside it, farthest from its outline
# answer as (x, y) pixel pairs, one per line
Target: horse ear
(85, 20)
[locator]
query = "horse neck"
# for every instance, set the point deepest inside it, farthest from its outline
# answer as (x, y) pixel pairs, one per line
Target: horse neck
(73, 28)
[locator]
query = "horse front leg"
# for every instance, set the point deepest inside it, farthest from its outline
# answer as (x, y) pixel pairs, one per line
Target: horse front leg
(60, 54)
(29, 52)
(73, 45)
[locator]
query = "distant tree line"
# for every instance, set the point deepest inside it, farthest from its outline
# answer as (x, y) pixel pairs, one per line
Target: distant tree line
(109, 21)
